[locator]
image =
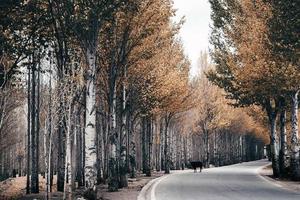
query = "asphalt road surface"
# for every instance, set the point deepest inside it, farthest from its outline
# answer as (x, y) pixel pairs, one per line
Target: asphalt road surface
(235, 182)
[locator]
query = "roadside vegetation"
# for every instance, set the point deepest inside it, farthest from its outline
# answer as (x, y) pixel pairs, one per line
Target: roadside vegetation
(95, 92)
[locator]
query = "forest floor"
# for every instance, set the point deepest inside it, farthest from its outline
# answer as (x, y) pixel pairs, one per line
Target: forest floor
(15, 188)
(133, 189)
(267, 173)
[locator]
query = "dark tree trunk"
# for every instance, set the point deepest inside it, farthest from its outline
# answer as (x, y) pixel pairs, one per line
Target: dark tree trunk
(166, 146)
(283, 147)
(207, 150)
(61, 149)
(34, 165)
(132, 155)
(148, 146)
(113, 174)
(28, 133)
(272, 115)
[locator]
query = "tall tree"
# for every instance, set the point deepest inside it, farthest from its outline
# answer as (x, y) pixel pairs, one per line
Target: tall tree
(86, 20)
(244, 64)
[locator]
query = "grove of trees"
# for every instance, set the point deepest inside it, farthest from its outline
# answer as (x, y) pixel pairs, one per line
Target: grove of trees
(94, 91)
(256, 52)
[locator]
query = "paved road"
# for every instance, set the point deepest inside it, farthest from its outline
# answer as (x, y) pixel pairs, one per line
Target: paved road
(236, 182)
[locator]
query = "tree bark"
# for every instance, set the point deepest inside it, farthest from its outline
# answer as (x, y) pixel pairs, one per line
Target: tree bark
(166, 146)
(113, 175)
(123, 168)
(148, 146)
(49, 153)
(207, 160)
(38, 124)
(90, 169)
(68, 167)
(283, 144)
(132, 155)
(272, 115)
(274, 147)
(28, 133)
(34, 169)
(295, 162)
(45, 158)
(144, 144)
(61, 146)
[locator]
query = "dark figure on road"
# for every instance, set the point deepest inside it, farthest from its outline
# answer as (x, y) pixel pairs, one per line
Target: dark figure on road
(196, 164)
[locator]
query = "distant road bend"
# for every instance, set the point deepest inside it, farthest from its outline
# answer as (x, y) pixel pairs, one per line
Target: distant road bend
(235, 182)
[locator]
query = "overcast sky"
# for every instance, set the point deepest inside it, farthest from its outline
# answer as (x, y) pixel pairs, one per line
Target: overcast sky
(195, 32)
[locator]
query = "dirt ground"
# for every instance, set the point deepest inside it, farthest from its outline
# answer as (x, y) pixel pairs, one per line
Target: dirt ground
(15, 188)
(267, 173)
(130, 193)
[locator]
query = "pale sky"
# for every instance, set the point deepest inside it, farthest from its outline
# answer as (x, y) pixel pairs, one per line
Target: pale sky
(195, 32)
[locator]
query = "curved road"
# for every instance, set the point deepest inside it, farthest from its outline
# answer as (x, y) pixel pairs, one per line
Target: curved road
(235, 182)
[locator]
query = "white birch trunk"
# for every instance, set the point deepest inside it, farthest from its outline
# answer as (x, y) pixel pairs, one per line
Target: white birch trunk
(68, 168)
(123, 168)
(295, 164)
(90, 168)
(49, 162)
(45, 159)
(274, 149)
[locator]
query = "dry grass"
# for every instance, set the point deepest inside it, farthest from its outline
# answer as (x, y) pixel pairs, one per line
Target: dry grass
(15, 188)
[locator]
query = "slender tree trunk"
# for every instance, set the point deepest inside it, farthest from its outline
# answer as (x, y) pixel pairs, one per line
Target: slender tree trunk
(38, 125)
(99, 139)
(274, 147)
(80, 152)
(148, 146)
(128, 138)
(144, 144)
(123, 167)
(207, 160)
(34, 165)
(46, 157)
(90, 170)
(166, 147)
(272, 115)
(61, 146)
(295, 159)
(159, 145)
(28, 133)
(68, 167)
(113, 175)
(240, 149)
(132, 155)
(106, 123)
(50, 148)
(51, 169)
(48, 153)
(283, 147)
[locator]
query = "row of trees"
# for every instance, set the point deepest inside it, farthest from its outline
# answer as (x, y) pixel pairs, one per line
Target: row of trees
(256, 51)
(105, 89)
(224, 134)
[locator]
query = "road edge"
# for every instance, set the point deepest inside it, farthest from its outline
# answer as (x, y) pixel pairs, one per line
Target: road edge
(145, 189)
(264, 178)
(275, 182)
(151, 185)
